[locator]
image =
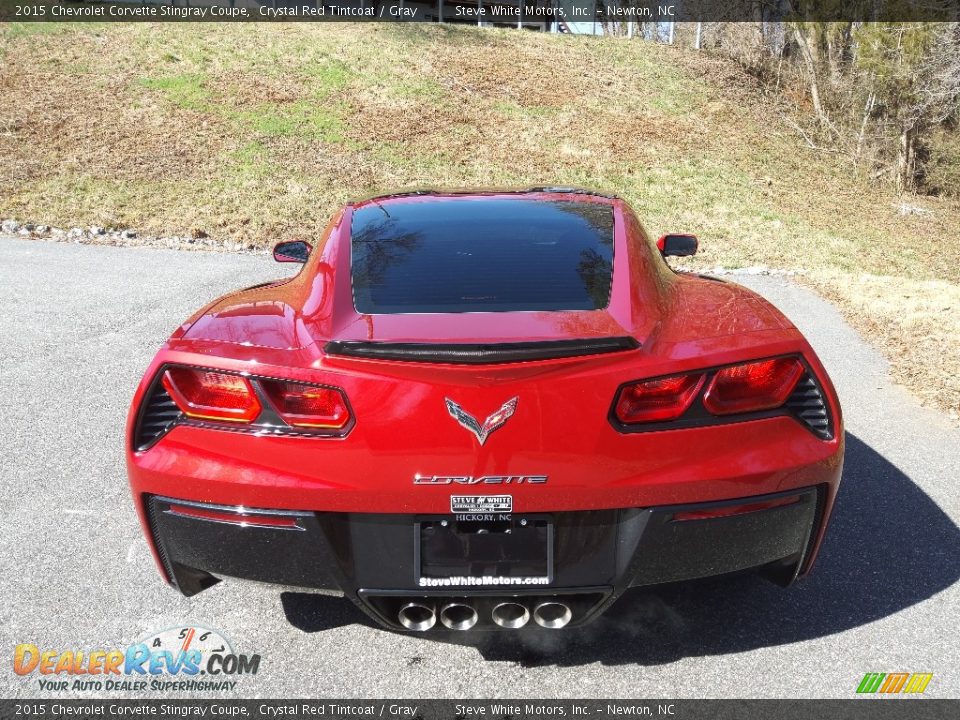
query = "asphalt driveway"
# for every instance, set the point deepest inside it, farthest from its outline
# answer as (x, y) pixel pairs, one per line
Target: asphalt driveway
(77, 328)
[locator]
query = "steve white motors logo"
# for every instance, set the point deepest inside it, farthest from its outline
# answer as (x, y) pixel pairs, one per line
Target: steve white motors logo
(481, 504)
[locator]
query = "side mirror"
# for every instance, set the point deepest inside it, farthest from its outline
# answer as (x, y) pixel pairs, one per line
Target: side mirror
(677, 245)
(296, 251)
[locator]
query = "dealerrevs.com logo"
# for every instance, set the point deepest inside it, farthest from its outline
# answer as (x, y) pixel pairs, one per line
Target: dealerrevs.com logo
(181, 659)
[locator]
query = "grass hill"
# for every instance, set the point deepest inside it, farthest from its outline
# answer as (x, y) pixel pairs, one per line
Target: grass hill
(257, 132)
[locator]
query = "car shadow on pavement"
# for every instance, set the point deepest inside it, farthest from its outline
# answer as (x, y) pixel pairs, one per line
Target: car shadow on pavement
(314, 613)
(889, 546)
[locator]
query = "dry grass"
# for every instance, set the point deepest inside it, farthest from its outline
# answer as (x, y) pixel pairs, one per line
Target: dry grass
(915, 322)
(257, 133)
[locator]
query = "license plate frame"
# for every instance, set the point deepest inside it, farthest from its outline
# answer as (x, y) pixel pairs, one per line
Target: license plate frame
(454, 551)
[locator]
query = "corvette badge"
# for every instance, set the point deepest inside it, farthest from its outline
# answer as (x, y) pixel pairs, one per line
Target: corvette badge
(496, 420)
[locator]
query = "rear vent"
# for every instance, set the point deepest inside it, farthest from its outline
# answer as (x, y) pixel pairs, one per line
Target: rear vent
(808, 406)
(153, 510)
(479, 354)
(158, 414)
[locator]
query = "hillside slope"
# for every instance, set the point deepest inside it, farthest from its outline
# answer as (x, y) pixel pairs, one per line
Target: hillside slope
(258, 132)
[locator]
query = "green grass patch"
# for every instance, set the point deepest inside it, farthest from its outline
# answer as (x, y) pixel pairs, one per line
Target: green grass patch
(251, 161)
(314, 118)
(327, 76)
(425, 90)
(186, 91)
(305, 119)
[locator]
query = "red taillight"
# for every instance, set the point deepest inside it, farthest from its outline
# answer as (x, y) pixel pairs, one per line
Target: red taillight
(308, 406)
(754, 386)
(658, 400)
(730, 510)
(210, 395)
(237, 517)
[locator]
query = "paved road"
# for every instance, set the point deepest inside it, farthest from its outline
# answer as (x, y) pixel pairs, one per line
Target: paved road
(80, 323)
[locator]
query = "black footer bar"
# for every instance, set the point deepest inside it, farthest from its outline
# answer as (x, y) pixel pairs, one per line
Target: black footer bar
(892, 708)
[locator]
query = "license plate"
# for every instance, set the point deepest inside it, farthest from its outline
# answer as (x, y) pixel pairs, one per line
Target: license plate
(484, 549)
(463, 504)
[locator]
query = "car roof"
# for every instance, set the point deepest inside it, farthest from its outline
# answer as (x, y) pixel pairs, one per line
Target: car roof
(531, 192)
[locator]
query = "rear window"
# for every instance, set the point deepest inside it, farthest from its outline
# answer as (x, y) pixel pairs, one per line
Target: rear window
(481, 255)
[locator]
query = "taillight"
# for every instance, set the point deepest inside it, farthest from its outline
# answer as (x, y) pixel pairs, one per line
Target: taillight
(308, 406)
(731, 510)
(237, 517)
(754, 386)
(658, 400)
(210, 395)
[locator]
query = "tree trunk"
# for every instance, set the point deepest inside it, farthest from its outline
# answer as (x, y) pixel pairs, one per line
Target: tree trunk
(811, 64)
(905, 159)
(832, 60)
(867, 109)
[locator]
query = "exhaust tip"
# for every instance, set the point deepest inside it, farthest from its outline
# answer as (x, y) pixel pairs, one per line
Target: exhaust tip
(458, 616)
(552, 614)
(417, 616)
(511, 615)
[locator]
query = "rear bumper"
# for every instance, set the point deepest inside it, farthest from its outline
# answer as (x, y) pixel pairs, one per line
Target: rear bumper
(596, 554)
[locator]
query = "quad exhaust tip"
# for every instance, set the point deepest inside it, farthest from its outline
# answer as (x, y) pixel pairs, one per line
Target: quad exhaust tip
(553, 615)
(420, 616)
(417, 616)
(458, 616)
(511, 615)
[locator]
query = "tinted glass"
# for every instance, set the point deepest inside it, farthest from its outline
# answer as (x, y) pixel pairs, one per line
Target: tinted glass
(470, 255)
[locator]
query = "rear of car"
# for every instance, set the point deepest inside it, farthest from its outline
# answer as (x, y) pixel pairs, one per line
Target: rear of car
(482, 410)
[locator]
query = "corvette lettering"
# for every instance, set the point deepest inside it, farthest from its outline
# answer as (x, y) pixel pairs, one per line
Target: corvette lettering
(479, 479)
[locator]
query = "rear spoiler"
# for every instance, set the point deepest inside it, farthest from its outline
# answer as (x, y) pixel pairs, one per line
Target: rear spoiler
(479, 353)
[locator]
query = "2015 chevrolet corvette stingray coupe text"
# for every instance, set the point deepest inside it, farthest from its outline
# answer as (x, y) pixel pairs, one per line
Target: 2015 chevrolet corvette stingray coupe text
(484, 409)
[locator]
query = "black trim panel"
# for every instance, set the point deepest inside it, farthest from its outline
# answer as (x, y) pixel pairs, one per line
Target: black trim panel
(197, 551)
(776, 539)
(479, 353)
(371, 557)
(808, 405)
(158, 415)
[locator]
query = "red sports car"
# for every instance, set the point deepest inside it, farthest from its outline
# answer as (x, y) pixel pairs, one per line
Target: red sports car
(483, 409)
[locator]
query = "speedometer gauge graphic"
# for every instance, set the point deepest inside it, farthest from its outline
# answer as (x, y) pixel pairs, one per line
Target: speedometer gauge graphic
(189, 637)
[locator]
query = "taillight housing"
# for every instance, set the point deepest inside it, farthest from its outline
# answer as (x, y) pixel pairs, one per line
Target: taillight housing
(308, 406)
(712, 396)
(658, 400)
(211, 395)
(213, 398)
(751, 387)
